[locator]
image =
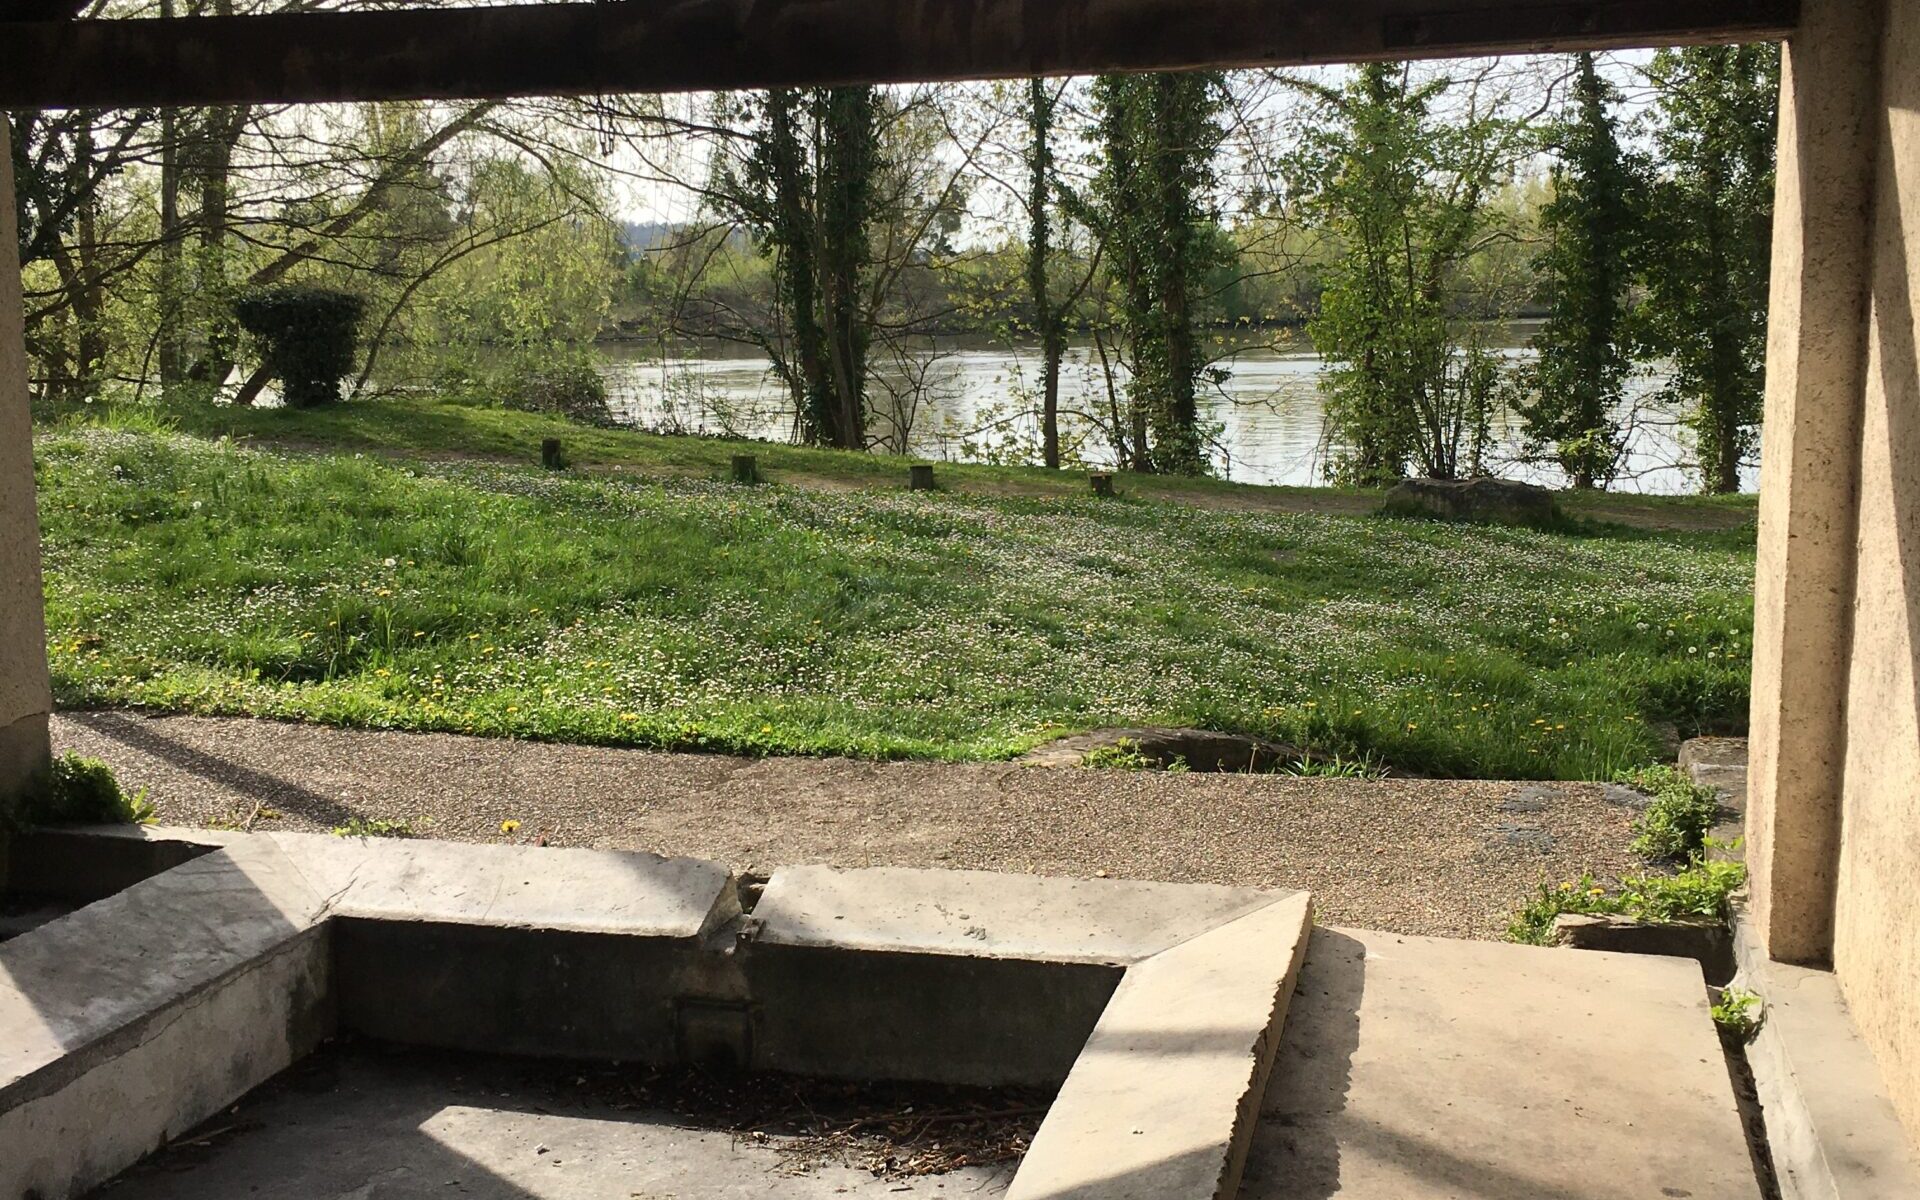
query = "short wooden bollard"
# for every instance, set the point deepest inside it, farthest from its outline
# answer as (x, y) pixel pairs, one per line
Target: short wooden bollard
(1102, 484)
(920, 477)
(550, 456)
(745, 470)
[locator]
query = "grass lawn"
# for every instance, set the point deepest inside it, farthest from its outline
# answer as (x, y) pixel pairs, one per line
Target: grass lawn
(659, 607)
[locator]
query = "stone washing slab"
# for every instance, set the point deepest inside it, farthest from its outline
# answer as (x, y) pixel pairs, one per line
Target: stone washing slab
(73, 983)
(1420, 1068)
(1162, 1101)
(630, 893)
(157, 1079)
(129, 1021)
(988, 914)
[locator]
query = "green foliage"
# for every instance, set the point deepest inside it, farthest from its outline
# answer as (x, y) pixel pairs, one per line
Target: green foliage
(568, 388)
(84, 791)
(1739, 1013)
(306, 338)
(1334, 767)
(1592, 231)
(1123, 755)
(1677, 818)
(1407, 195)
(1712, 224)
(374, 827)
(1152, 201)
(471, 596)
(1697, 893)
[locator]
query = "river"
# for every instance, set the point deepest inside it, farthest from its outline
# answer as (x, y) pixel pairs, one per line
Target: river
(965, 400)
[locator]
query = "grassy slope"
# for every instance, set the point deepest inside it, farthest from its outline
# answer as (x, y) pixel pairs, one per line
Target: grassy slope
(417, 426)
(499, 599)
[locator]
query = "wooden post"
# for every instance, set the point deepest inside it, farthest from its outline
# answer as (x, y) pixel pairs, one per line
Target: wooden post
(1102, 484)
(744, 469)
(920, 477)
(550, 455)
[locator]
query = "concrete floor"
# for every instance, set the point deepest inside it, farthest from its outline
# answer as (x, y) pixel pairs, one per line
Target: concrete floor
(364, 1124)
(1431, 1069)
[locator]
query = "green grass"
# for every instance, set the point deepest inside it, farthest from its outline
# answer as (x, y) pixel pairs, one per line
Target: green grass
(610, 607)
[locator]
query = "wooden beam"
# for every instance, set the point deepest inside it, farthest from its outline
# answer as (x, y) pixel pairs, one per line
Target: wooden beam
(683, 45)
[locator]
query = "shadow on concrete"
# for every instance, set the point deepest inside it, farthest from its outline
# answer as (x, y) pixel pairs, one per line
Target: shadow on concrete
(368, 1119)
(137, 733)
(333, 1125)
(1296, 1145)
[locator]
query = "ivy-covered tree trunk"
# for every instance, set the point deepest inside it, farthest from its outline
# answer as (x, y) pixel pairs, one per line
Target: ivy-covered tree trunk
(849, 158)
(1575, 388)
(220, 132)
(1046, 318)
(1159, 134)
(1707, 272)
(808, 194)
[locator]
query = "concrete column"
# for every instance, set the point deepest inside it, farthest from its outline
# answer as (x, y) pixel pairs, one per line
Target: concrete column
(25, 696)
(1810, 471)
(1876, 941)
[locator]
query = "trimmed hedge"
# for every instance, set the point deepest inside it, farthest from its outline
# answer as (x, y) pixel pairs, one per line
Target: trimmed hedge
(307, 338)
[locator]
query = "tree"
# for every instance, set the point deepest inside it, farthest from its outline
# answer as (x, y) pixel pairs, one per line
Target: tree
(1591, 226)
(1405, 195)
(1048, 320)
(1153, 201)
(1712, 224)
(807, 194)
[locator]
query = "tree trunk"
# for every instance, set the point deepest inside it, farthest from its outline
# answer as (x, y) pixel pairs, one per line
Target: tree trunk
(172, 350)
(1039, 237)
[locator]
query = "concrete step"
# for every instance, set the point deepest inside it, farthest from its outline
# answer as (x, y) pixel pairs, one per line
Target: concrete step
(1416, 1068)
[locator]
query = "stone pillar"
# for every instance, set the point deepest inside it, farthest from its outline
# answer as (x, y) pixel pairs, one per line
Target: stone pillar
(1830, 118)
(25, 697)
(1876, 941)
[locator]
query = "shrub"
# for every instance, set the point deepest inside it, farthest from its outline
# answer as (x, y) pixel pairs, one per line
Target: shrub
(1739, 1014)
(1698, 893)
(574, 390)
(306, 337)
(1676, 820)
(83, 791)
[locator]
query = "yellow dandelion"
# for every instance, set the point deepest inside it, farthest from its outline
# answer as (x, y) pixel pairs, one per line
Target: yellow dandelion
(509, 825)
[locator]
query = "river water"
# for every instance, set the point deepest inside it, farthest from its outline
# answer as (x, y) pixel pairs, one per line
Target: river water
(969, 399)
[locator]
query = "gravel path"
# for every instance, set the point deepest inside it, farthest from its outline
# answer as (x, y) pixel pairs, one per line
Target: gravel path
(1410, 856)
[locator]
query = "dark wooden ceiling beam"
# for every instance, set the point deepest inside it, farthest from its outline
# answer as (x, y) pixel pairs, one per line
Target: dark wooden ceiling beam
(683, 45)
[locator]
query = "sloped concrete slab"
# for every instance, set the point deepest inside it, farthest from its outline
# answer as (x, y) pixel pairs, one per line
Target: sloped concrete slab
(73, 982)
(1421, 1068)
(988, 914)
(131, 1020)
(529, 887)
(1162, 1101)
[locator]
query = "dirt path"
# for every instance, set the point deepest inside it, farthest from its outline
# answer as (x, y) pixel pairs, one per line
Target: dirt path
(1410, 856)
(1620, 509)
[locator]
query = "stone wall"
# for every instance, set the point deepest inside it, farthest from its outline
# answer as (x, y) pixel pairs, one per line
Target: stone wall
(24, 696)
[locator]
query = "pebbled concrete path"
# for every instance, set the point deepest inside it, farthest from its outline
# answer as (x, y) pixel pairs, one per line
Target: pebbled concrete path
(1440, 857)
